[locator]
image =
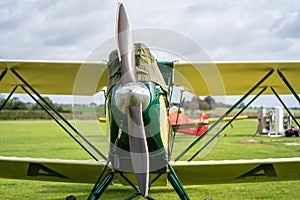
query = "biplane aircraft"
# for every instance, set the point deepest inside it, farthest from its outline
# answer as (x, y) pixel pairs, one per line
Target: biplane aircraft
(137, 103)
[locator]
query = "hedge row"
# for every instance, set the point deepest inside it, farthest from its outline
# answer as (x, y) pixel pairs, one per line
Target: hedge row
(38, 115)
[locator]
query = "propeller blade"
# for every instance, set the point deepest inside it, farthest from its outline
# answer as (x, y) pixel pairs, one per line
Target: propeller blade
(125, 46)
(138, 147)
(136, 130)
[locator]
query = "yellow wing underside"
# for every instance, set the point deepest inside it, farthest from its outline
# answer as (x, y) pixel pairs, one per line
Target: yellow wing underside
(204, 79)
(235, 78)
(55, 77)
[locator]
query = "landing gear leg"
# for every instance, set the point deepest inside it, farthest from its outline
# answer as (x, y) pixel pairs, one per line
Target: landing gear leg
(99, 188)
(175, 182)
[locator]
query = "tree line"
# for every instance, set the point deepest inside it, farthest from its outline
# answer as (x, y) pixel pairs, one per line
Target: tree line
(196, 103)
(16, 109)
(16, 104)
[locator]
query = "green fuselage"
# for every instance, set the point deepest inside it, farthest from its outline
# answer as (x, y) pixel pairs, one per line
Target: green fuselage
(154, 117)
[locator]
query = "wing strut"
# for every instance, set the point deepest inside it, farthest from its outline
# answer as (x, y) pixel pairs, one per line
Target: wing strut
(177, 118)
(286, 108)
(3, 74)
(48, 106)
(225, 115)
(8, 97)
(288, 85)
(225, 126)
(58, 122)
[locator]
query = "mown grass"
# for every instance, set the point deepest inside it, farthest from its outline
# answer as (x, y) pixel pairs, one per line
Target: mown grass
(46, 139)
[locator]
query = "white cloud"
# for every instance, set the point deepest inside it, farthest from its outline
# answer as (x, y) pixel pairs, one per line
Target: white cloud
(288, 25)
(228, 30)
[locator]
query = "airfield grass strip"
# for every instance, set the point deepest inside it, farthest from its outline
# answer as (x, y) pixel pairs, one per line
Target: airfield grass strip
(45, 139)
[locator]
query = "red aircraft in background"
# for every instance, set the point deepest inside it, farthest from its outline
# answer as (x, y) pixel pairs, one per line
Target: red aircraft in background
(180, 119)
(184, 124)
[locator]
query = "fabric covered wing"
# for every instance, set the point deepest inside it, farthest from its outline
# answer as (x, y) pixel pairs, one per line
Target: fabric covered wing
(55, 77)
(235, 78)
(57, 170)
(237, 171)
(74, 171)
(189, 173)
(203, 79)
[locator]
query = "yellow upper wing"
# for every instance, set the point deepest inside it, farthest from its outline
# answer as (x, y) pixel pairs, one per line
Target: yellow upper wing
(204, 79)
(235, 78)
(55, 77)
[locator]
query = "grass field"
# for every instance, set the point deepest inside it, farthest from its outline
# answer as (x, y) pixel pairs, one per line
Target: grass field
(46, 139)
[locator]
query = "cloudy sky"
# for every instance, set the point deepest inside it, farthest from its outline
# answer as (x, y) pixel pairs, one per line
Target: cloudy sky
(226, 29)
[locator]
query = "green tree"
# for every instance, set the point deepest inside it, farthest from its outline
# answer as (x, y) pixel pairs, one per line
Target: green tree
(50, 102)
(14, 104)
(211, 102)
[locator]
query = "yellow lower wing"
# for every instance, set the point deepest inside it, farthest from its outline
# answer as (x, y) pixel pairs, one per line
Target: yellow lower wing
(238, 171)
(74, 171)
(189, 173)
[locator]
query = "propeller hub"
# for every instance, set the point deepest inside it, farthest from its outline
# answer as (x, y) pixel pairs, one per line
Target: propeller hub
(132, 94)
